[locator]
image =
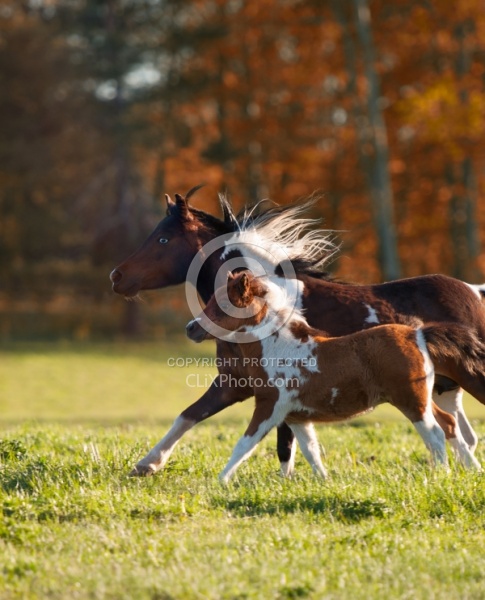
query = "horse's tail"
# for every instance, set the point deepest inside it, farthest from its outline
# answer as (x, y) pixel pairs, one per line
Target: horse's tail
(456, 343)
(457, 352)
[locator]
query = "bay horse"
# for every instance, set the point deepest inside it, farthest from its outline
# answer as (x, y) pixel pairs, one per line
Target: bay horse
(300, 375)
(165, 258)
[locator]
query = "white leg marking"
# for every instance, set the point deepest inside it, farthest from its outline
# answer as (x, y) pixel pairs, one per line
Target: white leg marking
(307, 439)
(242, 451)
(159, 454)
(452, 402)
(287, 467)
(462, 451)
(433, 436)
(246, 445)
(429, 429)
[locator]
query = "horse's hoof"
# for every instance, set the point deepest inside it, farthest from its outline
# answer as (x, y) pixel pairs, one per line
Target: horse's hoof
(286, 470)
(142, 471)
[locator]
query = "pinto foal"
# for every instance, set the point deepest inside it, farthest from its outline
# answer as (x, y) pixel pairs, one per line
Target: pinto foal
(300, 375)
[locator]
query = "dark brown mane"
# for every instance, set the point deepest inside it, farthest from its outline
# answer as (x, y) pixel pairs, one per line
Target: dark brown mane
(213, 223)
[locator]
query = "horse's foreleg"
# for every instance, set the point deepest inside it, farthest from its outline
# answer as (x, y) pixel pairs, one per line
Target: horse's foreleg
(307, 439)
(216, 398)
(452, 402)
(285, 446)
(258, 427)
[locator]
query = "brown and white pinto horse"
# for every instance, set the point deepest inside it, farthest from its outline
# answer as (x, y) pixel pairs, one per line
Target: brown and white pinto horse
(165, 257)
(299, 375)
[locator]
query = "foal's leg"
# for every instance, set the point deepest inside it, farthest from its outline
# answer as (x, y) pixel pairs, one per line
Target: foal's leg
(448, 424)
(215, 399)
(258, 427)
(285, 445)
(452, 402)
(433, 436)
(307, 439)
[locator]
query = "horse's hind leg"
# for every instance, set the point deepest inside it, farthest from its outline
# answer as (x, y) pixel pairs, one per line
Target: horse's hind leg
(451, 401)
(428, 428)
(307, 439)
(452, 432)
(286, 447)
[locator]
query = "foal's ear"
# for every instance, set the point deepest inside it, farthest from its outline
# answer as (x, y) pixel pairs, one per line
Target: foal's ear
(230, 275)
(244, 287)
(182, 208)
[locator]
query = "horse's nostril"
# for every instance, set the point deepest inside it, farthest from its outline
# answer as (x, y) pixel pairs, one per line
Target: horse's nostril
(115, 276)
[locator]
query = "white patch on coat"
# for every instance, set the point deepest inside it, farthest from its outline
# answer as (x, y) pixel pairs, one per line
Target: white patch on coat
(292, 354)
(428, 364)
(284, 302)
(372, 318)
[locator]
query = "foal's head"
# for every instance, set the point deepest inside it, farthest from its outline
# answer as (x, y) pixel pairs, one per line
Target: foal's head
(239, 305)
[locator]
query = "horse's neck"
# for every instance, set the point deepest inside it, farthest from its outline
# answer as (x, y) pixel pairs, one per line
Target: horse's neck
(207, 276)
(250, 351)
(249, 245)
(205, 282)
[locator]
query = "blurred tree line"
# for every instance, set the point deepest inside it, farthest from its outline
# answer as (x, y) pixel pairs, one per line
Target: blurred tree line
(107, 104)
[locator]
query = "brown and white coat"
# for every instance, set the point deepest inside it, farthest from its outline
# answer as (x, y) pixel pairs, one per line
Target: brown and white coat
(301, 376)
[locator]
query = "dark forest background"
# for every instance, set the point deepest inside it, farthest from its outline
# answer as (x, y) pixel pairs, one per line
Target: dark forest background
(107, 105)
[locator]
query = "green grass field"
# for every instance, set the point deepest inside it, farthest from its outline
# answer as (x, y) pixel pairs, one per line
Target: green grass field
(75, 419)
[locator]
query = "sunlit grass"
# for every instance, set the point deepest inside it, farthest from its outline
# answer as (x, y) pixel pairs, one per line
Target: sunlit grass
(117, 382)
(75, 419)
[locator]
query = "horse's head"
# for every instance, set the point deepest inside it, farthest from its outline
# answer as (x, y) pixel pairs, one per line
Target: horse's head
(165, 256)
(234, 307)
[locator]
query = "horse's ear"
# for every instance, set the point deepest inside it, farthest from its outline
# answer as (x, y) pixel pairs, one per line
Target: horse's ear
(170, 204)
(182, 208)
(230, 275)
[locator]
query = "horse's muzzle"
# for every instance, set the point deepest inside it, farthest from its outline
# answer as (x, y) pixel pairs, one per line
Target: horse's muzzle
(195, 331)
(123, 285)
(115, 276)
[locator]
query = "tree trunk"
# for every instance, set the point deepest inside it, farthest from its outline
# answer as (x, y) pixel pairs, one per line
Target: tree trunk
(464, 230)
(379, 177)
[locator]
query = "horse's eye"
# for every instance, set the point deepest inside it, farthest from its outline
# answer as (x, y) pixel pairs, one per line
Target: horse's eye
(163, 240)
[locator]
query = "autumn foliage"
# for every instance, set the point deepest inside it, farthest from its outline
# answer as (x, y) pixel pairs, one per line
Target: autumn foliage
(105, 106)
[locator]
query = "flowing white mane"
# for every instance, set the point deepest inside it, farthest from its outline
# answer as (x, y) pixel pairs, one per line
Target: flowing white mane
(280, 234)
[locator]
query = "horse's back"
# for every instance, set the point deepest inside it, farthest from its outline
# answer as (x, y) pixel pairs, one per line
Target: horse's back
(341, 309)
